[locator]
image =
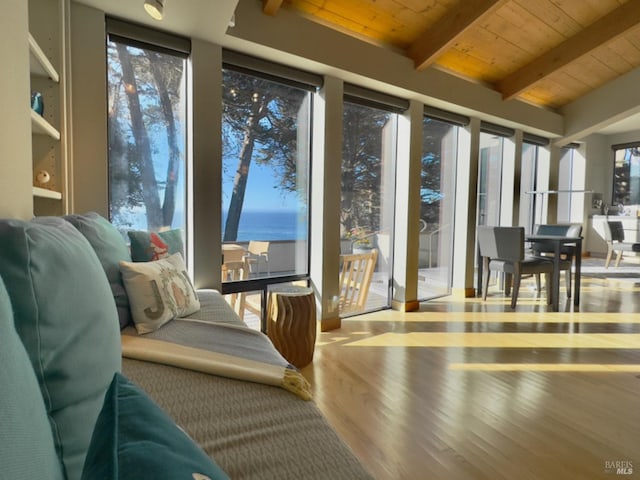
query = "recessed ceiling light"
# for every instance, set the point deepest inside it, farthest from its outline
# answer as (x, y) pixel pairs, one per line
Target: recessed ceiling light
(155, 8)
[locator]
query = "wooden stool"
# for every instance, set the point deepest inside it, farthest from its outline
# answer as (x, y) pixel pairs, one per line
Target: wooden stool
(291, 323)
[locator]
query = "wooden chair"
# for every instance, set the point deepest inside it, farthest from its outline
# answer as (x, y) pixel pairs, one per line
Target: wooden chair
(257, 253)
(567, 253)
(502, 249)
(614, 236)
(356, 272)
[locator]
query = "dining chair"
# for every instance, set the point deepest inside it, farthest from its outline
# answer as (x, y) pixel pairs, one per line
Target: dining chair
(567, 252)
(614, 236)
(502, 250)
(356, 272)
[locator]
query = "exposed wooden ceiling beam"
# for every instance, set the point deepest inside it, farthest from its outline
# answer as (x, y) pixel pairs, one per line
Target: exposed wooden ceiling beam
(602, 31)
(432, 43)
(271, 7)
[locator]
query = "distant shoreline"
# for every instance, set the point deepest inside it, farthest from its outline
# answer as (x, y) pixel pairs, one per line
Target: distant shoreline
(271, 225)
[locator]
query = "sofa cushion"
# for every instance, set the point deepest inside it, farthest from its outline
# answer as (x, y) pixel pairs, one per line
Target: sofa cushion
(111, 249)
(66, 317)
(148, 246)
(134, 438)
(27, 449)
(159, 291)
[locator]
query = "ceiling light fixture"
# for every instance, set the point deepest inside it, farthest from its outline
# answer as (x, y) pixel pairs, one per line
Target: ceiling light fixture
(155, 8)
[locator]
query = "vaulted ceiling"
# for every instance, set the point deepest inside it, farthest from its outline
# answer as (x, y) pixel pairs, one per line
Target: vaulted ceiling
(545, 52)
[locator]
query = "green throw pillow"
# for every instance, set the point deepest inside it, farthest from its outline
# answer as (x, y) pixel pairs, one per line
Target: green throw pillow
(64, 313)
(134, 438)
(26, 449)
(111, 249)
(149, 246)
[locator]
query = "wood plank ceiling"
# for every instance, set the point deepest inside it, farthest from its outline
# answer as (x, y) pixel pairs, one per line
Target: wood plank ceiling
(546, 52)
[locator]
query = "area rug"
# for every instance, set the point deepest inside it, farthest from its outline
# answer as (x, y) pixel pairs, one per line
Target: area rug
(594, 268)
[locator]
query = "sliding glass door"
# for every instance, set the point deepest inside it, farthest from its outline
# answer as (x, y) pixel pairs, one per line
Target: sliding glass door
(437, 196)
(368, 191)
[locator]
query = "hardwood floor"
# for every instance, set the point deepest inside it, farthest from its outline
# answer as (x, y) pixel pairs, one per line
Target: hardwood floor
(466, 389)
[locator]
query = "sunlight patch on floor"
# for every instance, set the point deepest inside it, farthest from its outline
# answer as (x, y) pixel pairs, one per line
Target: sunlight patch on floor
(499, 317)
(501, 340)
(543, 367)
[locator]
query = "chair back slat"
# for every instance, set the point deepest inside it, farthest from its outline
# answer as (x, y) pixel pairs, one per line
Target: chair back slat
(356, 272)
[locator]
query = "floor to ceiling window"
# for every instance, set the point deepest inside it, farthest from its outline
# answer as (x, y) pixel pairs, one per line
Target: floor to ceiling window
(147, 107)
(266, 128)
(626, 174)
(492, 165)
(437, 196)
(368, 183)
(490, 179)
(571, 185)
(533, 182)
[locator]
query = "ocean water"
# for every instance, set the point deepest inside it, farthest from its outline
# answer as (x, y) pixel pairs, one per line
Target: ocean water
(271, 225)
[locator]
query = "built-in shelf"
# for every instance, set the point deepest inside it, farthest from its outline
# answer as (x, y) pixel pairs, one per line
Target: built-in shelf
(40, 64)
(47, 76)
(40, 126)
(45, 193)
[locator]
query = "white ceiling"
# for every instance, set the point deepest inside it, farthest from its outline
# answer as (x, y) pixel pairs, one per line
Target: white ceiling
(629, 124)
(204, 19)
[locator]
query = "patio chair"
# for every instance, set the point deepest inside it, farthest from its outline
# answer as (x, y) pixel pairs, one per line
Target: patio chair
(355, 279)
(257, 253)
(566, 253)
(614, 236)
(502, 250)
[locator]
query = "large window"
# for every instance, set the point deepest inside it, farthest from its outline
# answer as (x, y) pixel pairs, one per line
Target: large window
(626, 174)
(265, 181)
(534, 182)
(266, 131)
(146, 95)
(437, 194)
(495, 176)
(490, 179)
(367, 188)
(571, 186)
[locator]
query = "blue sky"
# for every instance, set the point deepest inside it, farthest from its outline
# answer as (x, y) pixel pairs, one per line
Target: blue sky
(260, 193)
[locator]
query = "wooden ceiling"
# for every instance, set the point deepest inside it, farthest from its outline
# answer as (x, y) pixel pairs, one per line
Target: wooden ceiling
(546, 52)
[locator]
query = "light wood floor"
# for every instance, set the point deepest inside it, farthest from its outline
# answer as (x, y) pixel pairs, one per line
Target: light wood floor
(466, 389)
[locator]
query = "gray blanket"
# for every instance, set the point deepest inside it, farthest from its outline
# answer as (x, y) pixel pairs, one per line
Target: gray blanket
(252, 430)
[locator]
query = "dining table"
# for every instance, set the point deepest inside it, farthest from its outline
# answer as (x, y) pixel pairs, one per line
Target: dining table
(233, 262)
(557, 242)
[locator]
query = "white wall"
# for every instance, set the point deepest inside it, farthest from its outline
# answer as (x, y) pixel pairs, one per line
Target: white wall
(89, 111)
(16, 199)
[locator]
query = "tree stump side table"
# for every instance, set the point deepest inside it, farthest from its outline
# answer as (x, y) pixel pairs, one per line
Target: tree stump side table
(291, 323)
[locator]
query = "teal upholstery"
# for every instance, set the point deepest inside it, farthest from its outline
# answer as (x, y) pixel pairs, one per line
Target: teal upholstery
(143, 249)
(66, 318)
(111, 249)
(26, 448)
(135, 439)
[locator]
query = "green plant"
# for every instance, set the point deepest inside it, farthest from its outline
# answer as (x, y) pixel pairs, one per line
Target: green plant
(359, 237)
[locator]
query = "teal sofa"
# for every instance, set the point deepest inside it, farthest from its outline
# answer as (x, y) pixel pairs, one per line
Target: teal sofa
(72, 408)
